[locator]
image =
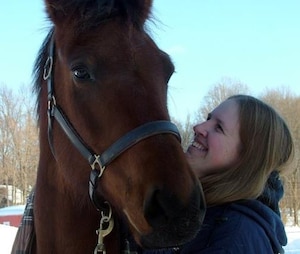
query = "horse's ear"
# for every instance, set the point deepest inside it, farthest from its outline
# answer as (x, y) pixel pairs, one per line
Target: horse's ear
(145, 8)
(58, 9)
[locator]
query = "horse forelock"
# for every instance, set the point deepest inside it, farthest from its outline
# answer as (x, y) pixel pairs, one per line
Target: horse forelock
(87, 14)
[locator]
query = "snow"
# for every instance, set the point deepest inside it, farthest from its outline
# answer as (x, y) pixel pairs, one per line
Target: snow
(293, 234)
(7, 235)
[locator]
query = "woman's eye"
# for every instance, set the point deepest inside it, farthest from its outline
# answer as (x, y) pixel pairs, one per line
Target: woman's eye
(219, 127)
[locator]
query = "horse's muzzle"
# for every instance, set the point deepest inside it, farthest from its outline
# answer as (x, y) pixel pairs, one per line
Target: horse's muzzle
(173, 223)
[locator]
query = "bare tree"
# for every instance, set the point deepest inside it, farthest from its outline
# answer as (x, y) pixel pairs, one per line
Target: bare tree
(18, 145)
(218, 93)
(7, 130)
(287, 104)
(186, 131)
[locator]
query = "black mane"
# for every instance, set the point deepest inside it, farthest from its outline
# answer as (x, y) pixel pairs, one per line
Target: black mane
(90, 13)
(94, 12)
(38, 69)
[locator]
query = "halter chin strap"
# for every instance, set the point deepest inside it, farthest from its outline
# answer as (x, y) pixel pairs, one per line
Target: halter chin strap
(98, 162)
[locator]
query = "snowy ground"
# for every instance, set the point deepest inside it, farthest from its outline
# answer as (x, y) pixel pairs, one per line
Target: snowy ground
(293, 234)
(7, 235)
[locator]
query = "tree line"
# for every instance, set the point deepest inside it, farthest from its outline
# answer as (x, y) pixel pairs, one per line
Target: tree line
(19, 148)
(18, 145)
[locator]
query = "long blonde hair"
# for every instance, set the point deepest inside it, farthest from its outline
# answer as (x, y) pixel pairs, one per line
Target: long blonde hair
(267, 145)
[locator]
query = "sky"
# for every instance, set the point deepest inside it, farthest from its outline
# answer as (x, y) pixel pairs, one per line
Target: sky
(256, 42)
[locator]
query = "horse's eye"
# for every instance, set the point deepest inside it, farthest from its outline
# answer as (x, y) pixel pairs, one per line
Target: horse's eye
(81, 73)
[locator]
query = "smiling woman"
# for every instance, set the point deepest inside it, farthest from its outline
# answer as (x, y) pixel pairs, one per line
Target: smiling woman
(239, 153)
(221, 149)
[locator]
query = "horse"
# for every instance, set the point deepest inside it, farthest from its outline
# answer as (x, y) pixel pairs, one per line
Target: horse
(111, 167)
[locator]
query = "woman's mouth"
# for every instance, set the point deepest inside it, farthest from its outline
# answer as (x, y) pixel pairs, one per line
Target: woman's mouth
(199, 146)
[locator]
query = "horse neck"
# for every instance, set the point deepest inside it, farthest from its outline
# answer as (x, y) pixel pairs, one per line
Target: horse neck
(65, 224)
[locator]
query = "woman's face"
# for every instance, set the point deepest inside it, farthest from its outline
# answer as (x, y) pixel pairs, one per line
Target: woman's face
(216, 144)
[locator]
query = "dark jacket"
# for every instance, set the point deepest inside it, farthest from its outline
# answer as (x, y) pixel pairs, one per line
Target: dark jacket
(244, 227)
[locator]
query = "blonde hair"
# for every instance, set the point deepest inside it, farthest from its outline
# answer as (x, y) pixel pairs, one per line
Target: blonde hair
(267, 145)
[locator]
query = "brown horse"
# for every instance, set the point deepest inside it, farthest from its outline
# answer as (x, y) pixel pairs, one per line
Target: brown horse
(105, 135)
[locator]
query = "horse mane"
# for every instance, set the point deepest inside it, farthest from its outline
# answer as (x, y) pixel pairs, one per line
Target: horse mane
(38, 69)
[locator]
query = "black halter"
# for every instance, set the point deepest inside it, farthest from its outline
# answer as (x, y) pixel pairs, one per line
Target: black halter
(98, 162)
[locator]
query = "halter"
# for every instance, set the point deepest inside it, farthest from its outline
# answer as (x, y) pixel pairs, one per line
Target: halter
(98, 162)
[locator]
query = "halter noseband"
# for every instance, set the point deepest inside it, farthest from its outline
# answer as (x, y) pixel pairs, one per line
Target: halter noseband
(98, 162)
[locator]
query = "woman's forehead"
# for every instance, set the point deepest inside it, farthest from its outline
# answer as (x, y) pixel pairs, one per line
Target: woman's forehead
(228, 113)
(229, 107)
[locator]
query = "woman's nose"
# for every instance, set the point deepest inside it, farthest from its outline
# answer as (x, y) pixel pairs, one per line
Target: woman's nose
(200, 129)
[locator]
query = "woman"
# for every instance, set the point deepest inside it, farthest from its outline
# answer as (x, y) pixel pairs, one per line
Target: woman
(238, 153)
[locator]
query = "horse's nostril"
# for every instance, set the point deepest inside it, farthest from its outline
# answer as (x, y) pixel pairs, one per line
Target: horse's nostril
(160, 207)
(174, 221)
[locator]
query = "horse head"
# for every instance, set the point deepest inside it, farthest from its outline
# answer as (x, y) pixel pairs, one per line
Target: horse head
(106, 84)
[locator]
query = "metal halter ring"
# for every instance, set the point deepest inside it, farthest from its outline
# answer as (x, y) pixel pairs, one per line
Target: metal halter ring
(48, 68)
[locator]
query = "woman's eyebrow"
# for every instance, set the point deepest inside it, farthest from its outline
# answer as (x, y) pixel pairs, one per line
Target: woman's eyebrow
(212, 115)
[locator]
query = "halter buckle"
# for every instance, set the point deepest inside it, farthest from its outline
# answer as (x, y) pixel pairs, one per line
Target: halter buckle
(97, 161)
(51, 102)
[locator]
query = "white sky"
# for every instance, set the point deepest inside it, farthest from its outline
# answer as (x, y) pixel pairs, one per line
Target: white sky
(256, 42)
